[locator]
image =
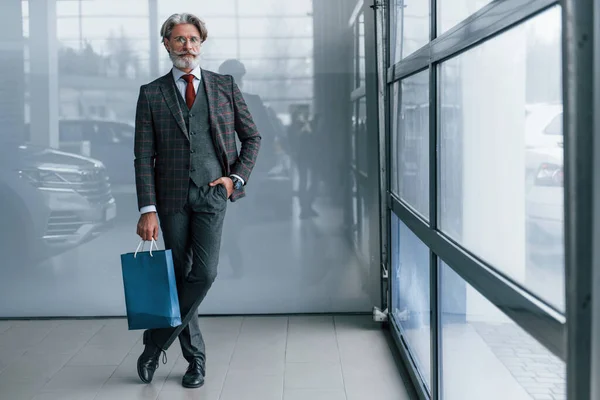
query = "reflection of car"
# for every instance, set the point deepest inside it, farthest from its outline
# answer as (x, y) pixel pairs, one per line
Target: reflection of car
(544, 180)
(543, 126)
(51, 201)
(109, 141)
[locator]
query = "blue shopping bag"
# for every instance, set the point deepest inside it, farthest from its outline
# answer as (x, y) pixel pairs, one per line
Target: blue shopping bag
(150, 289)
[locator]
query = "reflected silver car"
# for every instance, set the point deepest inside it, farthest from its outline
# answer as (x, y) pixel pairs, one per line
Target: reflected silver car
(51, 201)
(544, 185)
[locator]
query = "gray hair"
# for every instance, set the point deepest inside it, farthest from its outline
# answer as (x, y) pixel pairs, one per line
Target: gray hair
(184, 18)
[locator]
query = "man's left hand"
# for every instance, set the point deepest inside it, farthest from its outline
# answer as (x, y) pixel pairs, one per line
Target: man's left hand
(225, 181)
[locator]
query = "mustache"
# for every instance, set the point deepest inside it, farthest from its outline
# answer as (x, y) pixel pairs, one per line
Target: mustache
(185, 53)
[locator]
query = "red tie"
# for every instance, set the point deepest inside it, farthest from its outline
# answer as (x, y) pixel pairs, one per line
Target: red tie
(190, 93)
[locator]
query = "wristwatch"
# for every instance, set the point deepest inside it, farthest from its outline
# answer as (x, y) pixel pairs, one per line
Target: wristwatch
(237, 183)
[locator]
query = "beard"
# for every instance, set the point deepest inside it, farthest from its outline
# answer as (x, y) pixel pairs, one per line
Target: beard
(185, 59)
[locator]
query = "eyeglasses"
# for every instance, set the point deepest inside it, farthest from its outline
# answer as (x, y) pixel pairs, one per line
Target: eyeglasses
(194, 40)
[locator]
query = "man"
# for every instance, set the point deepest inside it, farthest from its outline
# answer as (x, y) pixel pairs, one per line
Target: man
(187, 167)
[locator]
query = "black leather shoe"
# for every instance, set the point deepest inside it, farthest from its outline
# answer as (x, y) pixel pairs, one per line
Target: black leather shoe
(147, 363)
(194, 376)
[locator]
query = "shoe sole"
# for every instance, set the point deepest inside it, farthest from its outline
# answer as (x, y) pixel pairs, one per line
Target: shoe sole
(188, 386)
(140, 372)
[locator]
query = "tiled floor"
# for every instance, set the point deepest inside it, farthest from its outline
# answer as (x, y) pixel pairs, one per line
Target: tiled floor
(248, 358)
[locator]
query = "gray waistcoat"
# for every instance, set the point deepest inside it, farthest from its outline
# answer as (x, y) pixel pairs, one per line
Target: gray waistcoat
(204, 163)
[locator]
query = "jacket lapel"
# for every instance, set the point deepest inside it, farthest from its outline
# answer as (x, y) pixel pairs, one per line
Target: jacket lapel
(212, 92)
(169, 89)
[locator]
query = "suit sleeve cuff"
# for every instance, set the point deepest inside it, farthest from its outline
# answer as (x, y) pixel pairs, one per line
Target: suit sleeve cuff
(147, 209)
(240, 178)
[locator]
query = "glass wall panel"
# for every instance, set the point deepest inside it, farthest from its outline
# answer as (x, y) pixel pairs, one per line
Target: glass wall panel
(362, 71)
(73, 86)
(501, 154)
(112, 7)
(362, 148)
(273, 7)
(206, 8)
(410, 141)
(485, 355)
(285, 26)
(409, 27)
(451, 12)
(410, 287)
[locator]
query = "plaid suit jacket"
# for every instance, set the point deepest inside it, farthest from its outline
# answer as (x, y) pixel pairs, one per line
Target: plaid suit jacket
(162, 146)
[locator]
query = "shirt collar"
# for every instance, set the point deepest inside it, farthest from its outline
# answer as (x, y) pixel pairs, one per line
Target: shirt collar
(177, 73)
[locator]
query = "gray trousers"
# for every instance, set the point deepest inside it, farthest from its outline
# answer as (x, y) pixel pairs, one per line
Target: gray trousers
(194, 237)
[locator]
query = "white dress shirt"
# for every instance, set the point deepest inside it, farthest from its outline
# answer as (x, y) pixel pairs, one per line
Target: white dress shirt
(182, 85)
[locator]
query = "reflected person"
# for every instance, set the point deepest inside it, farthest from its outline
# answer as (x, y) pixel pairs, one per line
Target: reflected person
(241, 216)
(187, 167)
(259, 113)
(302, 135)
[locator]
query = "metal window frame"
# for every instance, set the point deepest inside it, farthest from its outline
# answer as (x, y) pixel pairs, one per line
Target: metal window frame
(595, 345)
(578, 127)
(491, 20)
(567, 336)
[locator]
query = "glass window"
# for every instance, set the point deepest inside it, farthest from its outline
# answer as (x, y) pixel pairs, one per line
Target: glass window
(362, 146)
(217, 48)
(123, 130)
(275, 7)
(287, 47)
(501, 177)
(206, 10)
(362, 67)
(451, 12)
(410, 142)
(124, 28)
(556, 126)
(365, 221)
(355, 208)
(279, 68)
(410, 292)
(220, 27)
(67, 8)
(114, 7)
(275, 27)
(409, 27)
(485, 355)
(73, 131)
(353, 135)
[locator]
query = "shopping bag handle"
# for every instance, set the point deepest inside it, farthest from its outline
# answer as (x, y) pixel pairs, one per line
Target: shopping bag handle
(142, 243)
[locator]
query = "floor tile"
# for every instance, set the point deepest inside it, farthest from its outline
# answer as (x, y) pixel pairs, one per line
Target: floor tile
(89, 378)
(269, 360)
(315, 357)
(252, 386)
(19, 392)
(359, 380)
(189, 394)
(312, 347)
(4, 325)
(62, 340)
(23, 338)
(128, 388)
(8, 355)
(310, 322)
(313, 394)
(115, 336)
(65, 395)
(99, 355)
(314, 376)
(35, 323)
(34, 367)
